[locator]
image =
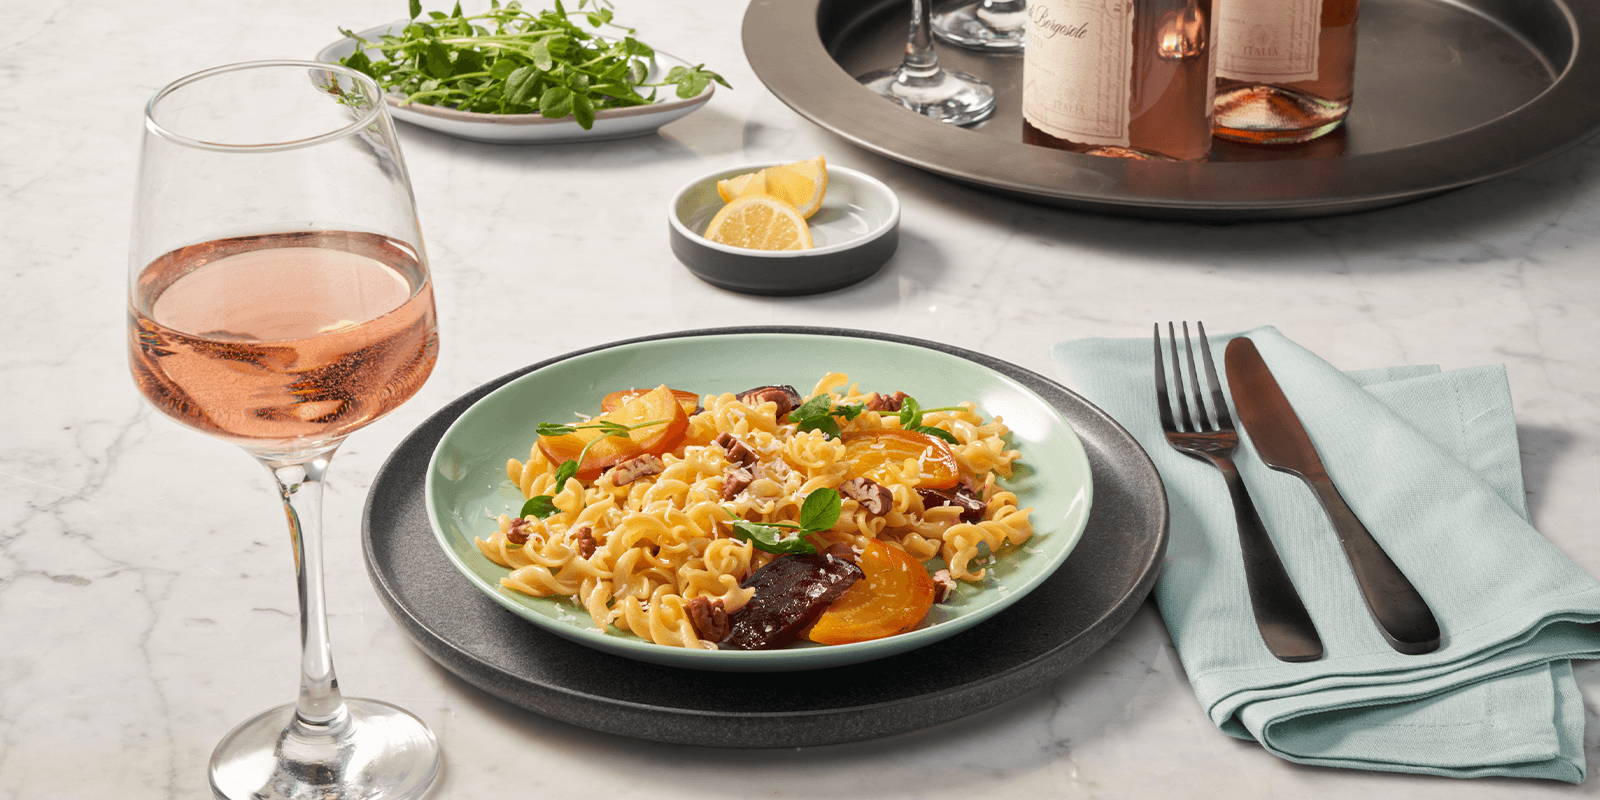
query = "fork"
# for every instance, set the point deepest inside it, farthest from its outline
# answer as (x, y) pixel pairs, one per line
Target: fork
(1280, 615)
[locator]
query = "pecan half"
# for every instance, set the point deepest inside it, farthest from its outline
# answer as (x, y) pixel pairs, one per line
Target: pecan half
(873, 496)
(971, 507)
(738, 452)
(943, 586)
(786, 397)
(735, 481)
(635, 468)
(709, 618)
(518, 532)
(886, 402)
(584, 539)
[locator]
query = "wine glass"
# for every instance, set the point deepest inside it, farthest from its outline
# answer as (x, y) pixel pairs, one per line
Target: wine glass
(996, 26)
(920, 84)
(279, 299)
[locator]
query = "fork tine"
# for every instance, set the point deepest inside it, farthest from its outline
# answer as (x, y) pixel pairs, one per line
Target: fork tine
(1198, 395)
(1162, 402)
(1177, 377)
(1217, 400)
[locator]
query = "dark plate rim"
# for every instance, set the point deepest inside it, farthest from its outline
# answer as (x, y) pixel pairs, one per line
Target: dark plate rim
(1147, 573)
(783, 45)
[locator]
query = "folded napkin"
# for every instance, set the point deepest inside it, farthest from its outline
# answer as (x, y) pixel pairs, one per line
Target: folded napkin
(1429, 462)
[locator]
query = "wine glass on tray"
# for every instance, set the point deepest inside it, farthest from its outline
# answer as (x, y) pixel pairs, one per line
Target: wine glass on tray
(996, 26)
(921, 85)
(279, 299)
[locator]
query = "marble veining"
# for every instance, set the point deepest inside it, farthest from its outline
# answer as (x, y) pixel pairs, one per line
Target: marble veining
(146, 599)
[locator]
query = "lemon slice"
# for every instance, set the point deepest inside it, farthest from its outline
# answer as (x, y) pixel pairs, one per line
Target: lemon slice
(760, 222)
(741, 185)
(802, 184)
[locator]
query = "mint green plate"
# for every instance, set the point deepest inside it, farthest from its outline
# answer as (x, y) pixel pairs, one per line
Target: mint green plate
(466, 486)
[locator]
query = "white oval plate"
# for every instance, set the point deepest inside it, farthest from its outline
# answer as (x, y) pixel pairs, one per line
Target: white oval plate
(611, 123)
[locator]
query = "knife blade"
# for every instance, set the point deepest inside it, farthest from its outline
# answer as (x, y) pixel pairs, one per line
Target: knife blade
(1281, 440)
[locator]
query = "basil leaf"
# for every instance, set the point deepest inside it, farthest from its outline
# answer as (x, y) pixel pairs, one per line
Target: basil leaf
(540, 506)
(940, 433)
(772, 540)
(565, 472)
(823, 423)
(820, 510)
(815, 407)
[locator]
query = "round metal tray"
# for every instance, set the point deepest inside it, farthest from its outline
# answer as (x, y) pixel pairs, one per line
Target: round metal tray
(1448, 93)
(1059, 623)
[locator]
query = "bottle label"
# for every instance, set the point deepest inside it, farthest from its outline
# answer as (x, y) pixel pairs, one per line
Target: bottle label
(1269, 40)
(1077, 69)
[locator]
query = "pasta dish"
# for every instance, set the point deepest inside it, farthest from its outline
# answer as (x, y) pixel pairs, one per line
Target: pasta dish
(759, 519)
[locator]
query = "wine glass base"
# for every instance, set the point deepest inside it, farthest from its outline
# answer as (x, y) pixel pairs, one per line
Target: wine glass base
(947, 96)
(376, 751)
(964, 26)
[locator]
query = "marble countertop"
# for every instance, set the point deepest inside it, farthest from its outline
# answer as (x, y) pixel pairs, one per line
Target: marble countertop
(146, 598)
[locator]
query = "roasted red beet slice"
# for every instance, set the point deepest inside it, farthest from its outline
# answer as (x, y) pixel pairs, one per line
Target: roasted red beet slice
(791, 593)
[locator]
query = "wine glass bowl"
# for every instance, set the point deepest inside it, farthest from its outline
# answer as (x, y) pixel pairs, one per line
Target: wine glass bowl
(279, 299)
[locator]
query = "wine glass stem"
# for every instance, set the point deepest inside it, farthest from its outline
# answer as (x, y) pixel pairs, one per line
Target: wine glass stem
(320, 707)
(921, 64)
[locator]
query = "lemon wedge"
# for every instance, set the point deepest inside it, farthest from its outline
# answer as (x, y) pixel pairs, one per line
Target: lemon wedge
(760, 222)
(802, 184)
(741, 185)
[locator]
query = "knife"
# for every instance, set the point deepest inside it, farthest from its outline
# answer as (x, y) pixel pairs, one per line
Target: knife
(1281, 441)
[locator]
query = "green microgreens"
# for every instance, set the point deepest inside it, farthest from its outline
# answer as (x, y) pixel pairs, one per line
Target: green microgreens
(817, 414)
(512, 61)
(818, 513)
(910, 415)
(543, 505)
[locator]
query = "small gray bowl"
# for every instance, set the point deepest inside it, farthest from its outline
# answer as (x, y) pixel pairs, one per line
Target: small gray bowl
(855, 232)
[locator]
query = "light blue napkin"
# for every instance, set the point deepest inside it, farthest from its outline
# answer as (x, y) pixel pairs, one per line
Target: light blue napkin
(1428, 460)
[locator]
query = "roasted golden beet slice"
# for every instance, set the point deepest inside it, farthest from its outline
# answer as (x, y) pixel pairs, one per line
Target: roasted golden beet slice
(893, 597)
(611, 402)
(871, 454)
(657, 406)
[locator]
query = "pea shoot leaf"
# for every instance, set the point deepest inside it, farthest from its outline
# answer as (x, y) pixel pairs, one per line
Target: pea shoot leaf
(772, 540)
(513, 60)
(940, 433)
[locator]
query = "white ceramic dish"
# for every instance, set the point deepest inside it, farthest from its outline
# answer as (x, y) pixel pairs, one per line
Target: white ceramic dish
(611, 123)
(855, 232)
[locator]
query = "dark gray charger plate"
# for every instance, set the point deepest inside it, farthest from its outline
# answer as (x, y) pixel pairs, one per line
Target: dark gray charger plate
(1448, 93)
(1057, 625)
